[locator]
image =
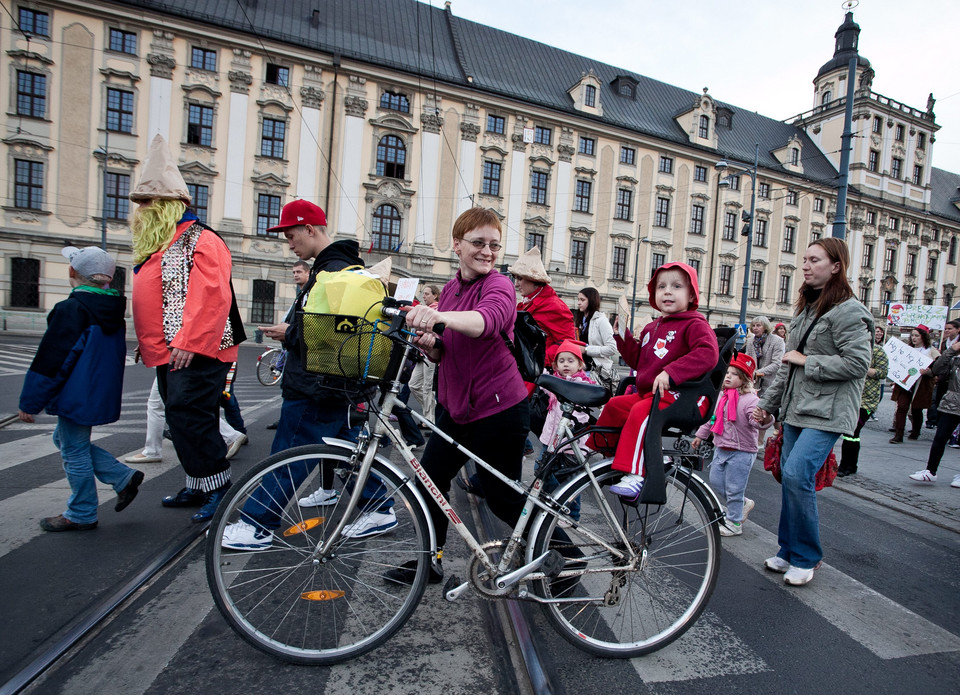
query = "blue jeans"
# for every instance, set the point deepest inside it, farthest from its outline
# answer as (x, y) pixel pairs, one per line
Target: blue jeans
(729, 473)
(803, 454)
(82, 462)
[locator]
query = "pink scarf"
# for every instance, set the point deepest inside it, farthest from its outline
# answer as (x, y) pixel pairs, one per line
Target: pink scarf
(729, 400)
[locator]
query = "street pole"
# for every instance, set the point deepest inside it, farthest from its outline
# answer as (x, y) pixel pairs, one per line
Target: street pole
(840, 219)
(753, 210)
(103, 209)
(636, 265)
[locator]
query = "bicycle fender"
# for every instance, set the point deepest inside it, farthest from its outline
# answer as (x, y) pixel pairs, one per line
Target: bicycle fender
(392, 467)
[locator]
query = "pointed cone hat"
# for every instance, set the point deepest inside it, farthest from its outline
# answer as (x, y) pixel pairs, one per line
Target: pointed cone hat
(160, 177)
(530, 266)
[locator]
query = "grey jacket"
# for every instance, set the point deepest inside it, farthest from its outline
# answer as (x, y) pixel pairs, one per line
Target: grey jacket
(825, 393)
(948, 365)
(770, 363)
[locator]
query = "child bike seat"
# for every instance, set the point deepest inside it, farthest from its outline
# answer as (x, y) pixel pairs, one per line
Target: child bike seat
(578, 392)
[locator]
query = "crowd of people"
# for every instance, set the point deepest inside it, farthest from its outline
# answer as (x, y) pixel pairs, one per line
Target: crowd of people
(817, 379)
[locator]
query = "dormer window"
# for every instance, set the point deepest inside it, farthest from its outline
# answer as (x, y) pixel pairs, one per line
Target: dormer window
(724, 118)
(625, 86)
(589, 95)
(704, 128)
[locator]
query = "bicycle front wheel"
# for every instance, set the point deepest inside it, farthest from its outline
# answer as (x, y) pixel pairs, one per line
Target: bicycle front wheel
(268, 371)
(284, 598)
(615, 610)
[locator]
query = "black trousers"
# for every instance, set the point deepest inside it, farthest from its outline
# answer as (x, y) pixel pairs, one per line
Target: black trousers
(850, 446)
(191, 400)
(946, 424)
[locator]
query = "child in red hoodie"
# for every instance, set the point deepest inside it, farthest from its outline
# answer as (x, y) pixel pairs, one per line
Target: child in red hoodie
(677, 347)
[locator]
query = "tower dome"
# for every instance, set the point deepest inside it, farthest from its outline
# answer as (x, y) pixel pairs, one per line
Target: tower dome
(848, 36)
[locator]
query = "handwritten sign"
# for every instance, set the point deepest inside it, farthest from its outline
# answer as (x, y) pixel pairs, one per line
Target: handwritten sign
(905, 363)
(917, 315)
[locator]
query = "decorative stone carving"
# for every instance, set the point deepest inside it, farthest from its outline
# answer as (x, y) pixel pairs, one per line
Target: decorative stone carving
(161, 65)
(518, 144)
(355, 106)
(469, 131)
(240, 81)
(312, 97)
(431, 122)
(566, 152)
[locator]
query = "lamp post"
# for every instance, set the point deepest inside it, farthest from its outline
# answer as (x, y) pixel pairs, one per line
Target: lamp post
(721, 167)
(636, 266)
(103, 205)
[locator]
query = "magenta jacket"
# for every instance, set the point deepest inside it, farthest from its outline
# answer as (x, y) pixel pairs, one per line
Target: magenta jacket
(742, 434)
(479, 376)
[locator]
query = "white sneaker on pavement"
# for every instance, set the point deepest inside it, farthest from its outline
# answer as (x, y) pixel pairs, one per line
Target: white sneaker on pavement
(956, 481)
(243, 536)
(142, 458)
(796, 576)
(320, 498)
(233, 447)
(776, 564)
(748, 505)
(923, 476)
(371, 524)
(731, 528)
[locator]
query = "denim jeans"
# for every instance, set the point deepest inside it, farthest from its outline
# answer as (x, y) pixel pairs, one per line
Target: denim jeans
(803, 454)
(729, 473)
(82, 462)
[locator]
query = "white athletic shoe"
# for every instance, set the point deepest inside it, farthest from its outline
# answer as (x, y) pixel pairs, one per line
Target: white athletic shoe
(748, 505)
(923, 476)
(233, 448)
(629, 486)
(776, 564)
(956, 481)
(371, 524)
(798, 577)
(731, 528)
(320, 498)
(243, 536)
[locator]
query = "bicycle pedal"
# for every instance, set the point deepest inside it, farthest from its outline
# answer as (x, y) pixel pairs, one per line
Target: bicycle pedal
(553, 563)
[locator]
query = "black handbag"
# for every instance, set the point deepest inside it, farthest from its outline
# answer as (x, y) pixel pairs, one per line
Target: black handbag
(539, 405)
(529, 346)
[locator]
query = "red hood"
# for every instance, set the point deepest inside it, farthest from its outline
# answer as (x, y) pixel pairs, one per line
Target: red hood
(691, 273)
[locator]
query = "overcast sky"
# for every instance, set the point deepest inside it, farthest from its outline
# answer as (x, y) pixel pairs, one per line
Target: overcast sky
(757, 55)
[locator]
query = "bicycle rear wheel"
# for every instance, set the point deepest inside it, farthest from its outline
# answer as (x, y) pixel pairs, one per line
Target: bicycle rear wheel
(616, 611)
(268, 372)
(286, 600)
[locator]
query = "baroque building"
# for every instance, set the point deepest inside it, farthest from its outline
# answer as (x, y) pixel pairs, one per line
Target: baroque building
(395, 117)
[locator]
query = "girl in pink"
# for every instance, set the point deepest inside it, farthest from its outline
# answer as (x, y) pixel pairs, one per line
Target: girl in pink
(734, 433)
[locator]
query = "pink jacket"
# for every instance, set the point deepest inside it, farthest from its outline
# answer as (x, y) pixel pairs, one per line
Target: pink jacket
(740, 435)
(554, 414)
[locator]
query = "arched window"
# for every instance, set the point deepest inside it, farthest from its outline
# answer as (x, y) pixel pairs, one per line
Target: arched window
(391, 157)
(794, 156)
(952, 254)
(386, 229)
(704, 126)
(826, 98)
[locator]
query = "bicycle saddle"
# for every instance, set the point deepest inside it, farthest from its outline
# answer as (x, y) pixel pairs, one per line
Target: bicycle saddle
(574, 391)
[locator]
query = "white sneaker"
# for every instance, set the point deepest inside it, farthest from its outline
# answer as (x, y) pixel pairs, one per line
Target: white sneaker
(748, 505)
(629, 486)
(233, 448)
(142, 458)
(731, 528)
(956, 481)
(798, 577)
(320, 498)
(923, 476)
(243, 536)
(776, 564)
(371, 524)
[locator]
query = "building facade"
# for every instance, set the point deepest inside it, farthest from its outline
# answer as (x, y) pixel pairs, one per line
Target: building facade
(395, 117)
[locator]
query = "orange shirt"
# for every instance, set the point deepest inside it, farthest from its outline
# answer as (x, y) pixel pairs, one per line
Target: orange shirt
(205, 311)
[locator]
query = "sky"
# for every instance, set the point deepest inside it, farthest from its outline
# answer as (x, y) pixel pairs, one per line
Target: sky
(757, 55)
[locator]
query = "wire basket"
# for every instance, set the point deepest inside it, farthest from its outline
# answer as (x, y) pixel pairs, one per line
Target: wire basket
(344, 346)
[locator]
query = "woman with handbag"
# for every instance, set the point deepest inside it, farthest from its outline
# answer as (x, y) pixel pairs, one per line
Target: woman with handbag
(595, 330)
(948, 414)
(817, 394)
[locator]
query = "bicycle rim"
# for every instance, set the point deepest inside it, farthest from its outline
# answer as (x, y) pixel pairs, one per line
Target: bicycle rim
(626, 612)
(267, 372)
(288, 602)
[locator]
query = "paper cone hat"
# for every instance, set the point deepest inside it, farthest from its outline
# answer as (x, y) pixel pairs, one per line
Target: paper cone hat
(530, 266)
(382, 270)
(160, 177)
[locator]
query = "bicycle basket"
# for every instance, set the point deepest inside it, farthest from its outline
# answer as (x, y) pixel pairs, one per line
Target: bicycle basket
(344, 346)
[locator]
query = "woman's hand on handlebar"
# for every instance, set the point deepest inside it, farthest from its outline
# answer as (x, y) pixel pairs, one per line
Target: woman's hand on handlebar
(423, 320)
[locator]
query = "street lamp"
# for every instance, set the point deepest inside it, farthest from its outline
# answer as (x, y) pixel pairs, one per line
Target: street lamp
(105, 151)
(721, 167)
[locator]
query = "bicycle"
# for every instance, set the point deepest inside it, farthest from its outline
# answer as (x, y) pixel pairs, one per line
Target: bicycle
(622, 580)
(270, 366)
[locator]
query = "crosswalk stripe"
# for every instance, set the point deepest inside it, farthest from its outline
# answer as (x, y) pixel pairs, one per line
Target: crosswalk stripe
(878, 623)
(30, 448)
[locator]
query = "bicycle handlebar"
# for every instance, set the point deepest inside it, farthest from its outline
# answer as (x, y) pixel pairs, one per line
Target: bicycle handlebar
(396, 312)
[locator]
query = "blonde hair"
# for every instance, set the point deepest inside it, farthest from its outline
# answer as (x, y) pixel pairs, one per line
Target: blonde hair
(154, 226)
(747, 385)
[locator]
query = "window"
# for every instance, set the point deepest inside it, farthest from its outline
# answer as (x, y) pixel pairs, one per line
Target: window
(386, 228)
(792, 197)
(695, 264)
(624, 204)
(952, 254)
(657, 260)
(200, 125)
(268, 214)
(31, 94)
(867, 260)
(400, 102)
(756, 285)
(877, 124)
(200, 195)
(826, 98)
(760, 233)
(704, 127)
(789, 238)
(896, 167)
(203, 59)
(119, 280)
(28, 185)
(578, 257)
(734, 180)
(873, 160)
(696, 219)
(25, 283)
(661, 217)
(262, 307)
(795, 156)
(491, 178)
(726, 275)
(917, 175)
(123, 41)
(898, 132)
(730, 226)
(893, 223)
(272, 138)
(763, 190)
(279, 75)
(783, 291)
(699, 173)
(864, 295)
(495, 124)
(907, 297)
(536, 239)
(589, 95)
(33, 22)
(890, 259)
(619, 263)
(911, 265)
(921, 141)
(391, 157)
(887, 297)
(625, 89)
(818, 204)
(628, 155)
(587, 145)
(666, 164)
(581, 201)
(915, 230)
(542, 135)
(116, 202)
(119, 111)
(538, 187)
(816, 234)
(932, 268)
(871, 217)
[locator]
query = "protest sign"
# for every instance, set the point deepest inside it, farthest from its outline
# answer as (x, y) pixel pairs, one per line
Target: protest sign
(934, 317)
(905, 363)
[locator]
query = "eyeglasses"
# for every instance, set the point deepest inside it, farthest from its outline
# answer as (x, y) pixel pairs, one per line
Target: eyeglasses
(495, 246)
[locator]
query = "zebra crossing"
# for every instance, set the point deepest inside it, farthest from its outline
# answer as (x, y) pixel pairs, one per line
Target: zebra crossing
(15, 358)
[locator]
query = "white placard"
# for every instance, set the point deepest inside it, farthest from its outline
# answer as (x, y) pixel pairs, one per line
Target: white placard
(406, 289)
(912, 315)
(905, 363)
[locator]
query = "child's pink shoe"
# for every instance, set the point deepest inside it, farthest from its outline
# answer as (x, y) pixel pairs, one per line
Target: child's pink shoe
(629, 486)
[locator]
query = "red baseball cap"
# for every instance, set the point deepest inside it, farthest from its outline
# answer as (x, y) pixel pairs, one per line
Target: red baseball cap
(300, 212)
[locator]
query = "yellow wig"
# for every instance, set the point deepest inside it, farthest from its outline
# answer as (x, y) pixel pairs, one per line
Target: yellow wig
(154, 226)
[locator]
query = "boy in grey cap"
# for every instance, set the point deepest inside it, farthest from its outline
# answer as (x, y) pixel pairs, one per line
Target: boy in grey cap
(77, 375)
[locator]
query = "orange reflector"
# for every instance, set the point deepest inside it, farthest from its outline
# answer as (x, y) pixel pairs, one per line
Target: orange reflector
(321, 595)
(303, 526)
